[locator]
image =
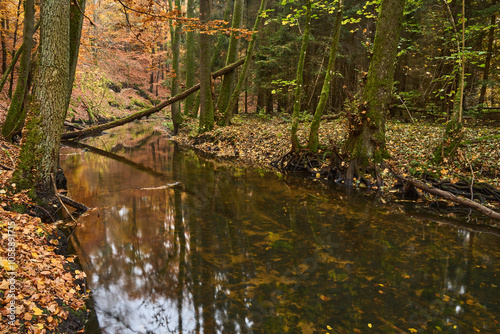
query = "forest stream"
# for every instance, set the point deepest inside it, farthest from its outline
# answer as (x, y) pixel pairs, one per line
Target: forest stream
(175, 243)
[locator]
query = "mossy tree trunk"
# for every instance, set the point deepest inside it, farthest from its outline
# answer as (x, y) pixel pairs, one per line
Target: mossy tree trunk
(176, 107)
(366, 142)
(232, 56)
(188, 102)
(17, 110)
(325, 90)
(233, 101)
(206, 121)
(300, 78)
(40, 144)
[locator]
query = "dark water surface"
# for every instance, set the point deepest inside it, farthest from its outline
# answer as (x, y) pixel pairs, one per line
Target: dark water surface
(179, 244)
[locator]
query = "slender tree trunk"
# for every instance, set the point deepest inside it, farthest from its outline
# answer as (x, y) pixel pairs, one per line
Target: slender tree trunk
(325, 91)
(366, 141)
(453, 133)
(16, 115)
(232, 55)
(176, 107)
(75, 34)
(11, 83)
(300, 79)
(39, 154)
(241, 79)
(188, 103)
(4, 47)
(487, 62)
(206, 121)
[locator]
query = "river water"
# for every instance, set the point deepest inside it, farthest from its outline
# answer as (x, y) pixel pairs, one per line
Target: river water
(179, 244)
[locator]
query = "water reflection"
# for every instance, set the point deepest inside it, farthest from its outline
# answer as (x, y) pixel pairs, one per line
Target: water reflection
(227, 250)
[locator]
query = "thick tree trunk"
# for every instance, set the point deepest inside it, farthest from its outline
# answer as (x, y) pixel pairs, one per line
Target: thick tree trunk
(37, 164)
(325, 91)
(99, 128)
(300, 79)
(241, 78)
(188, 103)
(232, 55)
(16, 115)
(206, 121)
(366, 142)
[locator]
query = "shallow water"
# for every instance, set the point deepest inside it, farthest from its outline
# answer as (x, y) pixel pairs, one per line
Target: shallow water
(179, 244)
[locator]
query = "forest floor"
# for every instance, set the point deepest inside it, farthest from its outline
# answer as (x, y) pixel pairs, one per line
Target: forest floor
(48, 287)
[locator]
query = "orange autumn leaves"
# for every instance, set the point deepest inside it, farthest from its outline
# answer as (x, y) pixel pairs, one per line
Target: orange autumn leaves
(45, 290)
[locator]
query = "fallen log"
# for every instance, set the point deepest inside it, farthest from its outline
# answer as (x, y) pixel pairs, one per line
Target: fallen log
(99, 128)
(449, 196)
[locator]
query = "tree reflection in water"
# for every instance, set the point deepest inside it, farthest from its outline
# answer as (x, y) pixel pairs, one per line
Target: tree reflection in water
(228, 250)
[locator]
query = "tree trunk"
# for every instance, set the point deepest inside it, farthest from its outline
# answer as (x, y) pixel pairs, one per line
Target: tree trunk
(366, 140)
(487, 62)
(188, 103)
(175, 107)
(16, 115)
(75, 33)
(4, 47)
(206, 121)
(241, 78)
(325, 90)
(232, 55)
(37, 162)
(454, 133)
(300, 79)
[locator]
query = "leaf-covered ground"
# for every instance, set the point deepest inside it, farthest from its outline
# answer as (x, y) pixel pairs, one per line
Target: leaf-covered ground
(257, 140)
(47, 290)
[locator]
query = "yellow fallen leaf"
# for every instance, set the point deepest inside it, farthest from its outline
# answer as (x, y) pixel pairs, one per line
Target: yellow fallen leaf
(412, 330)
(370, 325)
(4, 285)
(37, 311)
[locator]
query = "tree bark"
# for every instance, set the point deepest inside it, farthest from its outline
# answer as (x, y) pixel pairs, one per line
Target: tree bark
(366, 141)
(99, 128)
(40, 144)
(175, 107)
(206, 121)
(188, 103)
(300, 79)
(241, 78)
(16, 115)
(487, 62)
(325, 90)
(232, 55)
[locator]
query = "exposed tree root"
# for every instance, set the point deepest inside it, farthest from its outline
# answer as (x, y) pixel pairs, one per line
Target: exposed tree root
(303, 161)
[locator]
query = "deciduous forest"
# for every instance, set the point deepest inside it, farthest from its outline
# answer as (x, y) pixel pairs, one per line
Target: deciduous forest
(394, 100)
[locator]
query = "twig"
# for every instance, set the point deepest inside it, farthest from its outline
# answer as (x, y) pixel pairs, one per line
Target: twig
(60, 201)
(5, 167)
(398, 330)
(81, 11)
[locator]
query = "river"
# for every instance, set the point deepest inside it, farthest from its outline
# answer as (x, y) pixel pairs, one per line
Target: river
(175, 243)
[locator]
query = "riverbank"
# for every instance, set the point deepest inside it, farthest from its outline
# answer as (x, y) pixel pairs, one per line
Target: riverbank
(41, 288)
(259, 140)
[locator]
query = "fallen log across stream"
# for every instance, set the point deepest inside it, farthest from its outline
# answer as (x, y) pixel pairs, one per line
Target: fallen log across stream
(99, 128)
(449, 196)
